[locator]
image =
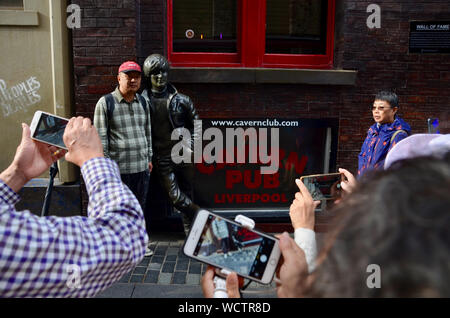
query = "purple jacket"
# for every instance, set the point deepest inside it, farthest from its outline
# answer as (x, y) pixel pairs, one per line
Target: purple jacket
(378, 143)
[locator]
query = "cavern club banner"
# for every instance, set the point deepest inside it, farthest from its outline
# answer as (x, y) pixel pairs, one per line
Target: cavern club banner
(252, 164)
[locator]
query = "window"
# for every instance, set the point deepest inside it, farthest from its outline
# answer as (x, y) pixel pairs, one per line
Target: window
(11, 4)
(251, 33)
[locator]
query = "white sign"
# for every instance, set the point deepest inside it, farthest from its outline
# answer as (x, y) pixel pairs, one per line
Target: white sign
(19, 97)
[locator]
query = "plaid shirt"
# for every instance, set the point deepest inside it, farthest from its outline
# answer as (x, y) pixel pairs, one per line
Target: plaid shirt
(76, 256)
(130, 142)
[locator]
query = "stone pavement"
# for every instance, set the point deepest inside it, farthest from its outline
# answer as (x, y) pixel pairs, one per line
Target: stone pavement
(170, 274)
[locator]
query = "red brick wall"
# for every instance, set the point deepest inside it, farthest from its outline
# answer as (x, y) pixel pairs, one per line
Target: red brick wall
(117, 30)
(107, 38)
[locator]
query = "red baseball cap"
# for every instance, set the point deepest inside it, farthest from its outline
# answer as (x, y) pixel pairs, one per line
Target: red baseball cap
(130, 66)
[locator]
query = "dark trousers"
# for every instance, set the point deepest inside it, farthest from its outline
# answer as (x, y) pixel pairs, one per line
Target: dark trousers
(225, 245)
(138, 184)
(176, 180)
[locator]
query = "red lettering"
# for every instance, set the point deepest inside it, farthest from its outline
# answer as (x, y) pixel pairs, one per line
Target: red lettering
(204, 168)
(292, 161)
(276, 197)
(217, 200)
(265, 198)
(287, 163)
(249, 198)
(232, 177)
(271, 181)
(248, 179)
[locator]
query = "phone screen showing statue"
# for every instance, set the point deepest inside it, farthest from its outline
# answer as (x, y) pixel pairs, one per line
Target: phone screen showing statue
(227, 245)
(50, 129)
(325, 187)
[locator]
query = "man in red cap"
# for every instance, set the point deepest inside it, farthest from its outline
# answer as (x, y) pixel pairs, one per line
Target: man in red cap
(122, 119)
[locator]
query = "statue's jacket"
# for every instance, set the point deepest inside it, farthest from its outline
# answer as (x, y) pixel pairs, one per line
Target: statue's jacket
(182, 112)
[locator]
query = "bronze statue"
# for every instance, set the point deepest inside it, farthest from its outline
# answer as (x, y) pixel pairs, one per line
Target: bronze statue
(170, 110)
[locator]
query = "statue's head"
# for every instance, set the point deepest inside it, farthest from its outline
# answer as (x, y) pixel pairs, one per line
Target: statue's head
(156, 69)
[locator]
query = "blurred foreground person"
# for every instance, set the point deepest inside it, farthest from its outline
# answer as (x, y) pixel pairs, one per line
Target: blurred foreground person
(398, 221)
(76, 256)
(390, 239)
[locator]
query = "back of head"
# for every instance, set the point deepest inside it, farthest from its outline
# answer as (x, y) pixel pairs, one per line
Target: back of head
(389, 97)
(435, 145)
(398, 220)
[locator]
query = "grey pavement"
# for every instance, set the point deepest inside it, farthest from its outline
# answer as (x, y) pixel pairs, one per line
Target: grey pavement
(168, 273)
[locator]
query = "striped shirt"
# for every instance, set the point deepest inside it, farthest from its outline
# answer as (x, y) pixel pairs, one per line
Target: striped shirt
(130, 142)
(76, 256)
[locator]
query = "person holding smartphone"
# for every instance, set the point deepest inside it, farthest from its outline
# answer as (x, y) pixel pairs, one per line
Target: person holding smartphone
(406, 240)
(299, 255)
(75, 256)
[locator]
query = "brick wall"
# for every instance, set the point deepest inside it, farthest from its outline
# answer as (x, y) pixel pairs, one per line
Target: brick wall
(117, 30)
(107, 38)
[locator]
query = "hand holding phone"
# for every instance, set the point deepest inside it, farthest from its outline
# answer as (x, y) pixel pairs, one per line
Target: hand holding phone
(324, 186)
(225, 244)
(208, 284)
(302, 208)
(83, 141)
(30, 161)
(293, 273)
(349, 183)
(49, 129)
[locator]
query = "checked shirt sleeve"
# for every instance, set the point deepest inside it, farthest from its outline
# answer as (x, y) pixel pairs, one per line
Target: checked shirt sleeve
(76, 256)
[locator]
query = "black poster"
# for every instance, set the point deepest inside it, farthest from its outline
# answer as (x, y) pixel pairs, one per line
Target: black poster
(429, 37)
(305, 146)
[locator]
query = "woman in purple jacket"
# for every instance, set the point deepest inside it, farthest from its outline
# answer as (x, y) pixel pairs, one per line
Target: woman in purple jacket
(387, 131)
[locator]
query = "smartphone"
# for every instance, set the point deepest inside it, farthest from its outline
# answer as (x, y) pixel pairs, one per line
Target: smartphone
(48, 128)
(225, 244)
(433, 125)
(324, 186)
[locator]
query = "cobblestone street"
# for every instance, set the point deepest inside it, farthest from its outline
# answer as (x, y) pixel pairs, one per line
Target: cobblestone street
(169, 274)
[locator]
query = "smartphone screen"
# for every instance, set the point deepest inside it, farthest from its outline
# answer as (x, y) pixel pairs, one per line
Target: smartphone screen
(227, 245)
(433, 126)
(50, 129)
(323, 187)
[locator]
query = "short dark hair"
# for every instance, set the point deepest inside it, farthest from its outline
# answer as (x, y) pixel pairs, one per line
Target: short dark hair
(399, 220)
(154, 63)
(389, 97)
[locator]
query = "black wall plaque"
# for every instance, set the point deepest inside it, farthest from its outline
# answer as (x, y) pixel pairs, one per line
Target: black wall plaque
(429, 37)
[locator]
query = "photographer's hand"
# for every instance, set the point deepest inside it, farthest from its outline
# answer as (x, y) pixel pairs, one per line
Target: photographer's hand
(82, 140)
(293, 270)
(350, 184)
(31, 160)
(302, 208)
(208, 285)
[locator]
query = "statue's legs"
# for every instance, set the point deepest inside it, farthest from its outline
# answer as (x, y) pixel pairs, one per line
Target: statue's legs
(176, 179)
